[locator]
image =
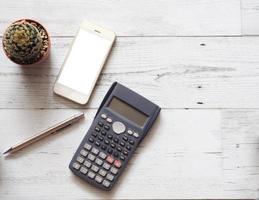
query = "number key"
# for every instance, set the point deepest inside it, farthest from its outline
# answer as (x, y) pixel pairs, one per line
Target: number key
(110, 177)
(83, 170)
(106, 166)
(95, 151)
(102, 155)
(114, 170)
(98, 161)
(83, 152)
(98, 179)
(87, 146)
(94, 168)
(91, 157)
(87, 164)
(91, 174)
(106, 183)
(102, 172)
(76, 165)
(80, 159)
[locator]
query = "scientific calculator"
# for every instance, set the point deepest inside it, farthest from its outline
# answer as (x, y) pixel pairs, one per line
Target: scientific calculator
(120, 124)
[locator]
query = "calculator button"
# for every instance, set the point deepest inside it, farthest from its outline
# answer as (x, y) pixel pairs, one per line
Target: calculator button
(106, 142)
(135, 134)
(117, 163)
(113, 145)
(109, 120)
(106, 183)
(110, 159)
(119, 149)
(130, 132)
(110, 177)
(131, 142)
(122, 158)
(91, 174)
(80, 159)
(91, 157)
(109, 136)
(100, 124)
(94, 134)
(106, 127)
(103, 132)
(104, 116)
(103, 147)
(76, 165)
(98, 161)
(87, 146)
(97, 143)
(122, 144)
(102, 172)
(110, 151)
(94, 168)
(116, 140)
(95, 151)
(98, 179)
(83, 170)
(116, 154)
(125, 138)
(83, 152)
(97, 129)
(100, 138)
(91, 140)
(125, 152)
(106, 166)
(128, 147)
(114, 170)
(118, 127)
(87, 164)
(102, 155)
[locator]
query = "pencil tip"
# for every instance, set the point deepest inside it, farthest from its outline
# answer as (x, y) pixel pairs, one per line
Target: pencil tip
(7, 151)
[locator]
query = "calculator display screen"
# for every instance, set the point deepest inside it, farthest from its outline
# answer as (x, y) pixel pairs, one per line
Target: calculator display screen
(127, 111)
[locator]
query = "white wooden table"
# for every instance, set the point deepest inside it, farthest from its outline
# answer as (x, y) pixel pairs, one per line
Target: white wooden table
(197, 59)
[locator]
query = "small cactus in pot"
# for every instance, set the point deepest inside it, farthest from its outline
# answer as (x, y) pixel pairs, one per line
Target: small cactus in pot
(26, 42)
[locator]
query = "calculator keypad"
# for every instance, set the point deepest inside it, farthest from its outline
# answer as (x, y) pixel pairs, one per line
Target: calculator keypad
(105, 151)
(101, 168)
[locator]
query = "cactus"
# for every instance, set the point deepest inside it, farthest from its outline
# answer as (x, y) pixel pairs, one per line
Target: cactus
(23, 43)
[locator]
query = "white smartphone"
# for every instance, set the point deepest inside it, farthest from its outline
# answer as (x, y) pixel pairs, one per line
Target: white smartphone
(84, 62)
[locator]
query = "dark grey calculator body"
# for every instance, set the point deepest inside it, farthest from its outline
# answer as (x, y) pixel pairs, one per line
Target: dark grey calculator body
(121, 122)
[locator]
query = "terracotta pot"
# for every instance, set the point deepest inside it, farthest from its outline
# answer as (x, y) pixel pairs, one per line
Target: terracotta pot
(44, 56)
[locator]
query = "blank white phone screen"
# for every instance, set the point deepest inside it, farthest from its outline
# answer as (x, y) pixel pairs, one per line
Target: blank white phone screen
(84, 61)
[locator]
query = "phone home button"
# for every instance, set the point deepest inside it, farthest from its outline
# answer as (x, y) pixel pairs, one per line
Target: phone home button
(118, 127)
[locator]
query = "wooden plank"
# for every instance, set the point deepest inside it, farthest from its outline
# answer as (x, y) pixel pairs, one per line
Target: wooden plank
(173, 72)
(250, 17)
(187, 154)
(240, 140)
(130, 18)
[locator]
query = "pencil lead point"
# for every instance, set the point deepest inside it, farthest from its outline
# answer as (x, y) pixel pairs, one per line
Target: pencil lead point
(7, 151)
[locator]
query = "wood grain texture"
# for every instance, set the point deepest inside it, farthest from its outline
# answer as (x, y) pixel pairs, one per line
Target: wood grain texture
(130, 18)
(196, 153)
(250, 17)
(177, 72)
(187, 154)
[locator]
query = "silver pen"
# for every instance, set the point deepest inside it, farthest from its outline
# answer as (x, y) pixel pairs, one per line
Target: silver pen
(45, 133)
